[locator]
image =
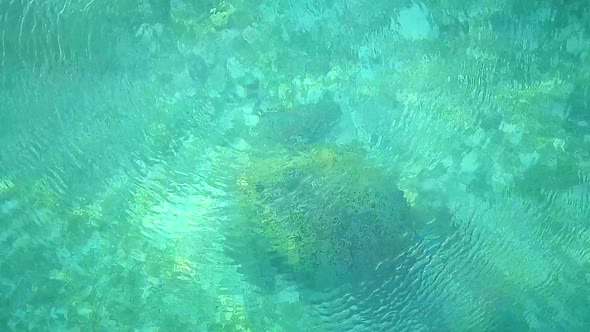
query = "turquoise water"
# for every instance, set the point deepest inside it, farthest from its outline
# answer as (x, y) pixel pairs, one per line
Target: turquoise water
(283, 165)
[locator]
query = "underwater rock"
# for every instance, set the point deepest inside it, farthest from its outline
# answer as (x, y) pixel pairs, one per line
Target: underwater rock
(325, 217)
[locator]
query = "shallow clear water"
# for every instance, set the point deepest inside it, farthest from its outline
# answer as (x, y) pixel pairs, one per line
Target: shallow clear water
(176, 165)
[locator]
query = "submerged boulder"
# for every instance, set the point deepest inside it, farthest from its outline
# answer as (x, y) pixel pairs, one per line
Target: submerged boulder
(324, 217)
